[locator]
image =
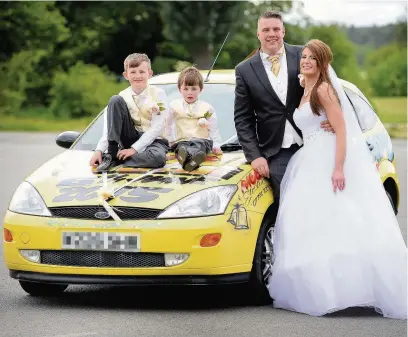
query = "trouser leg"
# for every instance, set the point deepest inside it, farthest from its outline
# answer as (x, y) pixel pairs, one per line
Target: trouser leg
(192, 153)
(154, 156)
(121, 129)
(277, 167)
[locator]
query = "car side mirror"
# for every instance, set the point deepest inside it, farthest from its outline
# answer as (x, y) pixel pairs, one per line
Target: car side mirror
(67, 138)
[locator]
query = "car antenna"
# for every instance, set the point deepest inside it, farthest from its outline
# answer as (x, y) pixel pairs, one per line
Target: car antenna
(215, 60)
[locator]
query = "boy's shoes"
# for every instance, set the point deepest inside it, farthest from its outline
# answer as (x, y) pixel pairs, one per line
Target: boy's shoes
(182, 155)
(193, 161)
(107, 163)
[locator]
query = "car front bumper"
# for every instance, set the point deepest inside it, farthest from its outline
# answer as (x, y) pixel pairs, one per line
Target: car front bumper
(230, 261)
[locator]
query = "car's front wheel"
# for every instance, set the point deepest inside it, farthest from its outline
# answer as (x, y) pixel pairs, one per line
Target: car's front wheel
(263, 263)
(42, 289)
(394, 207)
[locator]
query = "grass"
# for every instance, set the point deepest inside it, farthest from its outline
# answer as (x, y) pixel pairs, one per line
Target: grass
(391, 110)
(393, 113)
(13, 123)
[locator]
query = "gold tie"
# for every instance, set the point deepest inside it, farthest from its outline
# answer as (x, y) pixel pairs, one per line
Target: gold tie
(191, 110)
(275, 60)
(136, 99)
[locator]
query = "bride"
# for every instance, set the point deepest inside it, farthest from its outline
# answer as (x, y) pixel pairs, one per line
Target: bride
(337, 240)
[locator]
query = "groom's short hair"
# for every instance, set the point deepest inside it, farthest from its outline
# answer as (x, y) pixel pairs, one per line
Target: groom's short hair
(271, 15)
(135, 60)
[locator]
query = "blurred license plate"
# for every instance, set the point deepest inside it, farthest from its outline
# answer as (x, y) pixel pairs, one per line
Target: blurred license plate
(101, 241)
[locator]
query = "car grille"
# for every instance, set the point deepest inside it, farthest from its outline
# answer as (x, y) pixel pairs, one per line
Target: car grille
(102, 259)
(88, 212)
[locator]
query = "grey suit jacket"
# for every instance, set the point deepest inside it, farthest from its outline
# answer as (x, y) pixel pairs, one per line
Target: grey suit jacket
(259, 114)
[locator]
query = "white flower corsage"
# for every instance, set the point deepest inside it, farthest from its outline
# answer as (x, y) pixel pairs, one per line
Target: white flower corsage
(156, 108)
(203, 121)
(301, 80)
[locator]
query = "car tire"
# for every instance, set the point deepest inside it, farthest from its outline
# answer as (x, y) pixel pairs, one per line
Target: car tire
(263, 256)
(42, 289)
(391, 202)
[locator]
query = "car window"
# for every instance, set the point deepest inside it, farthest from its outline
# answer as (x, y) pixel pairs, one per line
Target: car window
(220, 96)
(365, 114)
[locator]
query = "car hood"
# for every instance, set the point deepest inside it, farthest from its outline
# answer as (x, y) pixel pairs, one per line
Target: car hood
(68, 180)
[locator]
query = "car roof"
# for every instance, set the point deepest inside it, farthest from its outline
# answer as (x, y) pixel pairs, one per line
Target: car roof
(217, 76)
(226, 76)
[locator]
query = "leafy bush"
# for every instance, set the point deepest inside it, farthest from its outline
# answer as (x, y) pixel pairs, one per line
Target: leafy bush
(83, 91)
(387, 70)
(18, 76)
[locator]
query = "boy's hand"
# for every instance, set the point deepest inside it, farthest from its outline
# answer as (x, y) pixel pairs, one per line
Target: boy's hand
(96, 159)
(326, 126)
(126, 153)
(217, 151)
(171, 144)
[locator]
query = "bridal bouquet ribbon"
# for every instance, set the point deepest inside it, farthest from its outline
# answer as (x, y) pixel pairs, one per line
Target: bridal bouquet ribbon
(107, 192)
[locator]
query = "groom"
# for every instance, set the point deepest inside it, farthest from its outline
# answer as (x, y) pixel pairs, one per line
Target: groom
(267, 92)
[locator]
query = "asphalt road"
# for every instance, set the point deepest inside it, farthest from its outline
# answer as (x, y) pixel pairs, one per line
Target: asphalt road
(183, 311)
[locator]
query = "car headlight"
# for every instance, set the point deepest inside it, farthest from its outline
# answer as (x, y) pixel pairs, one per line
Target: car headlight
(211, 201)
(27, 200)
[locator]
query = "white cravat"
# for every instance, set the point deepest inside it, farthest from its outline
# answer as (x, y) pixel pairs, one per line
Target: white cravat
(280, 86)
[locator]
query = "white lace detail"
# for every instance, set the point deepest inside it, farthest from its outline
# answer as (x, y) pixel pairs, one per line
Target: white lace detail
(318, 133)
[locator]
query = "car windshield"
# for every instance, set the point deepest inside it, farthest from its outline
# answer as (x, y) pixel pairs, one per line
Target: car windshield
(220, 96)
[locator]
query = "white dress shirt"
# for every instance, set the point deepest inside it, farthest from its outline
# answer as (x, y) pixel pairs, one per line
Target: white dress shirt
(213, 131)
(280, 86)
(157, 125)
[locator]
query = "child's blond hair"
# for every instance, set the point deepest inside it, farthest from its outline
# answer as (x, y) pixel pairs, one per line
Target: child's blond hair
(135, 60)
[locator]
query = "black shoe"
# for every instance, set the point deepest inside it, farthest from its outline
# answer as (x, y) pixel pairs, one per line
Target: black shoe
(182, 155)
(194, 161)
(107, 163)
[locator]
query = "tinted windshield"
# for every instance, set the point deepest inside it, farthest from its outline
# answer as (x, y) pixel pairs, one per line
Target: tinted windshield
(220, 96)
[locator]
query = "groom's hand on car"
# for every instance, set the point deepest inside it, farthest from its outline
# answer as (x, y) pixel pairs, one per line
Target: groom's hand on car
(260, 165)
(327, 126)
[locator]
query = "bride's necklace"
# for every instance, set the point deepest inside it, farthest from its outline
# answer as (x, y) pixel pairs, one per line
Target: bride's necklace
(307, 92)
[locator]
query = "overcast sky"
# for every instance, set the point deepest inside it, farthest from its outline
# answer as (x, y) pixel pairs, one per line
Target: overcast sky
(355, 12)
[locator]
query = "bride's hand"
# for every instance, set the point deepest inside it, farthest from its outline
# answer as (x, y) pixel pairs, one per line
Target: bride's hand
(338, 180)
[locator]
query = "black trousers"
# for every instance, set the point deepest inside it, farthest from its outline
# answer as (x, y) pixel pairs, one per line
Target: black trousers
(121, 129)
(277, 167)
(194, 145)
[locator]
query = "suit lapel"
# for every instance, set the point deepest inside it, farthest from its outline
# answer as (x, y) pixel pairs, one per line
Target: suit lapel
(259, 70)
(292, 65)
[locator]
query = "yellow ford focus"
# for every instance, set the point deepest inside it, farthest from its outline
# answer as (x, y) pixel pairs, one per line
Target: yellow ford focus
(214, 225)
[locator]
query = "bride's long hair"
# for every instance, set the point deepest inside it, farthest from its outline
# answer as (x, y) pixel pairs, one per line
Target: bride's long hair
(323, 56)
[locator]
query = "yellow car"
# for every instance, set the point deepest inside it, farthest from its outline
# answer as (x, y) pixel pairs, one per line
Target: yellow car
(214, 225)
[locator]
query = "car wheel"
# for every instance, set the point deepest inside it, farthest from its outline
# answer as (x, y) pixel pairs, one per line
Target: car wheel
(42, 289)
(263, 263)
(392, 202)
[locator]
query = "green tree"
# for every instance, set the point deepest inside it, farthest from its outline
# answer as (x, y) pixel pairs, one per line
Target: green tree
(30, 25)
(344, 54)
(18, 77)
(82, 91)
(106, 32)
(198, 25)
(387, 70)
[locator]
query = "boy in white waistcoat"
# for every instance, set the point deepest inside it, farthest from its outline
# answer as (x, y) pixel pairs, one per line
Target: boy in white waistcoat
(134, 122)
(191, 125)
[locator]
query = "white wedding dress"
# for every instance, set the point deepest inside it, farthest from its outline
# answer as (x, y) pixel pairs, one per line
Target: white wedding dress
(336, 250)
